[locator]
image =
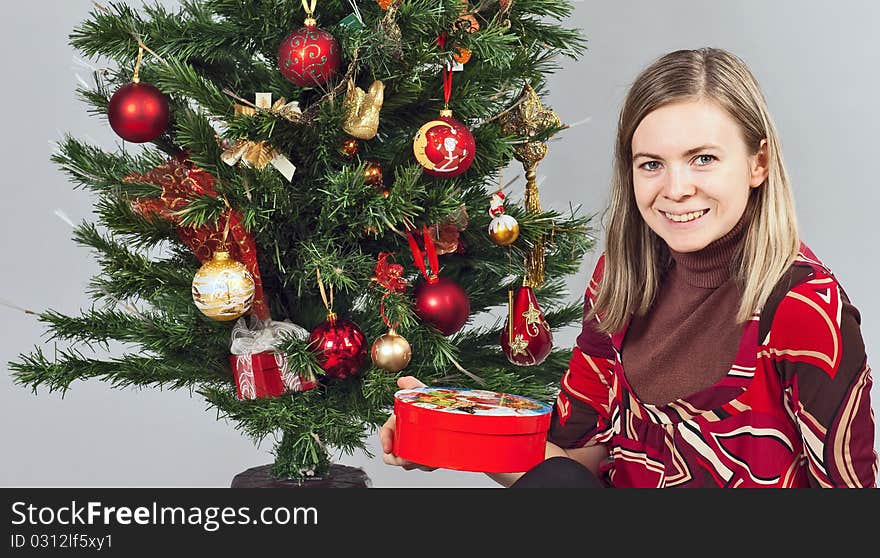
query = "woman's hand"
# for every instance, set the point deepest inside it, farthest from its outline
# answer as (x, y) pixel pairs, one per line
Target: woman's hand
(386, 433)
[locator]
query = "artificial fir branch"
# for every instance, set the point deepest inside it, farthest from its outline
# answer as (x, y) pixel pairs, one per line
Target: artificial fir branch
(196, 134)
(154, 332)
(66, 366)
(137, 231)
(183, 79)
(127, 274)
(101, 171)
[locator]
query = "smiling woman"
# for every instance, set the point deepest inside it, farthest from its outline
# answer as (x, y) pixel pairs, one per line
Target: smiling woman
(716, 350)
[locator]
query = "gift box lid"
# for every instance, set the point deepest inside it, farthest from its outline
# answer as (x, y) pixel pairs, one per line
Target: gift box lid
(472, 410)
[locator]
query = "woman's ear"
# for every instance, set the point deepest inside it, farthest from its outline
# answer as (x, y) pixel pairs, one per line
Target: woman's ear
(758, 165)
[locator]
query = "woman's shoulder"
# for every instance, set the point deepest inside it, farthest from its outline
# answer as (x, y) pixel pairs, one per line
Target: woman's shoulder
(806, 258)
(805, 271)
(808, 312)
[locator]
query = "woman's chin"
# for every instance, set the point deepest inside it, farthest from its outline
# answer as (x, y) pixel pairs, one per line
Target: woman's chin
(685, 245)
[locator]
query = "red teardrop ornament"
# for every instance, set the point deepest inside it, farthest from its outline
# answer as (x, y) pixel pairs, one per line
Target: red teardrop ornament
(530, 340)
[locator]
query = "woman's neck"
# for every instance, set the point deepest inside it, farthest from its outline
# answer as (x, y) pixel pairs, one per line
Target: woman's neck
(710, 267)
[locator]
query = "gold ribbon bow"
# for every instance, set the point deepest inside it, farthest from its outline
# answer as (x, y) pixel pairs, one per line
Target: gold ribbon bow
(254, 153)
(281, 107)
(258, 154)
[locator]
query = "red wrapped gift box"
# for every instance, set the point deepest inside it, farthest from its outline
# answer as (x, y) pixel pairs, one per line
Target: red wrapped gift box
(266, 374)
(470, 430)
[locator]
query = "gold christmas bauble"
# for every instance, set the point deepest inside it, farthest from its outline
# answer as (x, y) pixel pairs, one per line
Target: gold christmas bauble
(223, 288)
(391, 352)
(503, 230)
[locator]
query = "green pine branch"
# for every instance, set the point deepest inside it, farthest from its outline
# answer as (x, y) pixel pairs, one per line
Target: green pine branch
(130, 275)
(102, 172)
(36, 370)
(153, 332)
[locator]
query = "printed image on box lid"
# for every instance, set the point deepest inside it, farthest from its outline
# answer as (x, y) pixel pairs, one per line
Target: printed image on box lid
(475, 402)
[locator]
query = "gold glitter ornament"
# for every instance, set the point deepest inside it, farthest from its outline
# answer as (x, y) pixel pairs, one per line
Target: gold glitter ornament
(362, 118)
(223, 288)
(391, 352)
(390, 32)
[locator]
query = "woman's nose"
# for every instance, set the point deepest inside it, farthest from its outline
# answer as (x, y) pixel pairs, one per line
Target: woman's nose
(679, 185)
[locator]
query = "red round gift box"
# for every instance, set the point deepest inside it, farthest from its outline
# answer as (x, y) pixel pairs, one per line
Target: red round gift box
(470, 430)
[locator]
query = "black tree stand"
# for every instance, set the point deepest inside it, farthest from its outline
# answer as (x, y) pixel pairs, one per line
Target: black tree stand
(339, 476)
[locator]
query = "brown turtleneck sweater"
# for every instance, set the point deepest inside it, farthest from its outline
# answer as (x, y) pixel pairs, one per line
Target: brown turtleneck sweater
(688, 340)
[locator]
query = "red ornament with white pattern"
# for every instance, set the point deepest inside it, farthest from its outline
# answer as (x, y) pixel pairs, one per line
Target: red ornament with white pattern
(444, 146)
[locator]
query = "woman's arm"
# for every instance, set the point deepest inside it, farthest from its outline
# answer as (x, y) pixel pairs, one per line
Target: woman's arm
(589, 457)
(819, 352)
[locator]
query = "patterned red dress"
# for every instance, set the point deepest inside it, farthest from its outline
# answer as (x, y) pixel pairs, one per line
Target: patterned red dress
(794, 409)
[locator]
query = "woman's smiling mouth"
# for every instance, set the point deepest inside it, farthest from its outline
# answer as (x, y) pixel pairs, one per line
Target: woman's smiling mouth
(684, 217)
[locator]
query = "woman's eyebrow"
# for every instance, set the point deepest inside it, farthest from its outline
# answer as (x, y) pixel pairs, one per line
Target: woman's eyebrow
(688, 153)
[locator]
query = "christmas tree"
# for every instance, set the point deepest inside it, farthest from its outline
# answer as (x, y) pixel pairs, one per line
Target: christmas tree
(307, 203)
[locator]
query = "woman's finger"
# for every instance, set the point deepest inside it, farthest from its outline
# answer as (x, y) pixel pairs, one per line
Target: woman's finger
(409, 382)
(386, 434)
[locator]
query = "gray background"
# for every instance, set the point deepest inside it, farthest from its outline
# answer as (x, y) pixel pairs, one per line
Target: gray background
(817, 64)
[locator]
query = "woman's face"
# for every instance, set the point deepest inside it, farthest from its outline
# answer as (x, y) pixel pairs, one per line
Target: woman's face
(692, 173)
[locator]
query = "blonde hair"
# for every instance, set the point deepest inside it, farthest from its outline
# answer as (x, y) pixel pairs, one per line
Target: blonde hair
(635, 256)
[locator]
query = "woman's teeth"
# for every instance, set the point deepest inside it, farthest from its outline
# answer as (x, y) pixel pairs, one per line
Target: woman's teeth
(685, 217)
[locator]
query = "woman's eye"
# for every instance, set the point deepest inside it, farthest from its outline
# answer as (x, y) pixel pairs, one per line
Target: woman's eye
(651, 165)
(704, 160)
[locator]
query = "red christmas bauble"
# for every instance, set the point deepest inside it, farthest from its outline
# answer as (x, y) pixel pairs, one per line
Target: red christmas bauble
(530, 340)
(444, 147)
(442, 303)
(138, 112)
(340, 347)
(309, 56)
